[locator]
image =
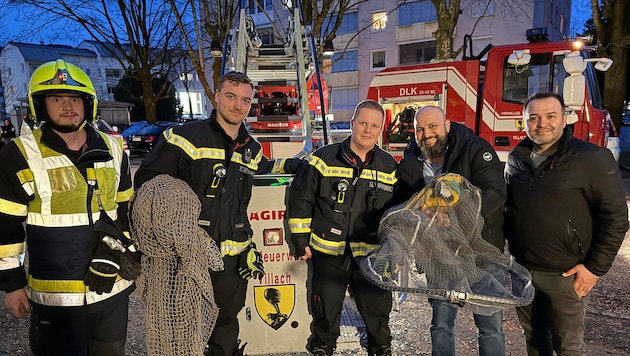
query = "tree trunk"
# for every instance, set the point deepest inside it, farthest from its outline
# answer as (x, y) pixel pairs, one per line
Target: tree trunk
(149, 101)
(613, 41)
(447, 20)
(615, 82)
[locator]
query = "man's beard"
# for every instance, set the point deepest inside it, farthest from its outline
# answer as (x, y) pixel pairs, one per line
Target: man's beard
(65, 128)
(436, 150)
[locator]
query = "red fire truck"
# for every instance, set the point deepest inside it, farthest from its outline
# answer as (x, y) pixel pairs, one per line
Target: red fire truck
(487, 93)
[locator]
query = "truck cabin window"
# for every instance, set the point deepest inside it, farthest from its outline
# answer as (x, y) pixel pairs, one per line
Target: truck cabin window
(544, 73)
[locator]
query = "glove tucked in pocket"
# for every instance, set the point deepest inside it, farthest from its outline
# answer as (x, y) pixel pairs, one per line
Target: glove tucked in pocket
(250, 263)
(105, 265)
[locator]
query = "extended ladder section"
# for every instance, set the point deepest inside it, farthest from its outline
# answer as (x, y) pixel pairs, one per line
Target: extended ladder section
(280, 118)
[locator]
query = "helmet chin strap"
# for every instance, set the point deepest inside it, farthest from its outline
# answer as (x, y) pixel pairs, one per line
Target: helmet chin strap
(61, 129)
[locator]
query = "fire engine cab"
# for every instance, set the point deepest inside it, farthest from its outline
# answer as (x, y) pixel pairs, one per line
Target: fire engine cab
(486, 92)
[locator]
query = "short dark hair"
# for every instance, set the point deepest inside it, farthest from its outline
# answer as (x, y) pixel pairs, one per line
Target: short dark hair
(544, 95)
(368, 104)
(234, 78)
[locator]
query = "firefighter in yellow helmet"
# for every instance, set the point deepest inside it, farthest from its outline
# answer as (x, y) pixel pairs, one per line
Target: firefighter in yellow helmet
(70, 185)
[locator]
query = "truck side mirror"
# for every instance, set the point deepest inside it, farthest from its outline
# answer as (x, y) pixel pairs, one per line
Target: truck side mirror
(602, 64)
(519, 57)
(574, 85)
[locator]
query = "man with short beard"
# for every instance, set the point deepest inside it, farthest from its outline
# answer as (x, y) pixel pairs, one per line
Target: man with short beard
(64, 192)
(445, 147)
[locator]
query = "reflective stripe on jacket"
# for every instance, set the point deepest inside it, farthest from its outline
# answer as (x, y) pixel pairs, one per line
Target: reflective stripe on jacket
(339, 204)
(60, 216)
(219, 170)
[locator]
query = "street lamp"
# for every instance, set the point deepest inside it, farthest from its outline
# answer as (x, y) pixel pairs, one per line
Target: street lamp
(215, 49)
(329, 48)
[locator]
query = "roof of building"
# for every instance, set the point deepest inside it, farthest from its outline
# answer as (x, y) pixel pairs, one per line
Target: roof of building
(105, 49)
(50, 52)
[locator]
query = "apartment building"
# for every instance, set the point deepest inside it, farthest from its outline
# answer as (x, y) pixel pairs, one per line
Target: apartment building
(388, 33)
(19, 60)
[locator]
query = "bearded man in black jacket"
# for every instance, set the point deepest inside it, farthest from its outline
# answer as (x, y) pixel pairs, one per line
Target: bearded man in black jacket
(566, 217)
(445, 147)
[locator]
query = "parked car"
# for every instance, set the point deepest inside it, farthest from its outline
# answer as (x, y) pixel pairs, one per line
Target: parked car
(105, 127)
(135, 127)
(145, 138)
(612, 143)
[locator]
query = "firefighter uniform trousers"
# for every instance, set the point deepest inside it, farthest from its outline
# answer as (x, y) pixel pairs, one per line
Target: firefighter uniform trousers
(334, 273)
(229, 293)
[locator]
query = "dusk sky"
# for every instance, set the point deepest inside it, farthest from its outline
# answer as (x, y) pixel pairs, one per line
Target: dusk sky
(13, 27)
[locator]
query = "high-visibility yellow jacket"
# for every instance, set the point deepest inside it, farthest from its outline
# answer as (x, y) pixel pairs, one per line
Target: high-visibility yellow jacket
(56, 192)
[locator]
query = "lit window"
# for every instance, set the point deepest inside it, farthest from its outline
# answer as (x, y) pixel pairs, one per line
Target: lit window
(379, 21)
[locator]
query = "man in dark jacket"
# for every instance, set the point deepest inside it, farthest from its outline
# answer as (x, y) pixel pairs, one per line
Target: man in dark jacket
(335, 204)
(218, 159)
(445, 147)
(565, 220)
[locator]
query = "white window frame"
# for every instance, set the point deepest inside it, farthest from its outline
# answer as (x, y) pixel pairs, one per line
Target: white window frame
(372, 53)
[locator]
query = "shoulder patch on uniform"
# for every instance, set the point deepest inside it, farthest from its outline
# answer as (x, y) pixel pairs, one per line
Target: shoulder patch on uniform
(487, 156)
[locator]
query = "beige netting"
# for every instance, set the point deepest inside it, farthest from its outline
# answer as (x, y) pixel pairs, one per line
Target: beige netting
(432, 245)
(175, 280)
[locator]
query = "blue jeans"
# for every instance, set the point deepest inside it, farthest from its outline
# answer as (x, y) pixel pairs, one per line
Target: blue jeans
(491, 338)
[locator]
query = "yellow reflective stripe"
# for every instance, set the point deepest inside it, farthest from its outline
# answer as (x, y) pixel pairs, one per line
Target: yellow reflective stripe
(90, 174)
(12, 249)
(386, 178)
(124, 195)
(190, 149)
(12, 208)
(70, 299)
(330, 171)
(362, 248)
(328, 247)
(26, 179)
(65, 220)
(297, 225)
(233, 248)
(253, 164)
(278, 166)
(25, 175)
(56, 286)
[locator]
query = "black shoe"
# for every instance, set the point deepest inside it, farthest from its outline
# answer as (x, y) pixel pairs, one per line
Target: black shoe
(322, 351)
(381, 351)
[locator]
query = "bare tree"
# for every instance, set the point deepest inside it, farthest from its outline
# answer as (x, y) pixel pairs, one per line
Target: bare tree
(138, 33)
(199, 23)
(448, 12)
(613, 41)
(7, 83)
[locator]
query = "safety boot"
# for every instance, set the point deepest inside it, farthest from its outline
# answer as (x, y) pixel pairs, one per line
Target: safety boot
(380, 351)
(322, 351)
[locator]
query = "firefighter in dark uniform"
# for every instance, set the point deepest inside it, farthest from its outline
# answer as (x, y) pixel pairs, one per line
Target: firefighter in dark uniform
(218, 159)
(335, 204)
(66, 180)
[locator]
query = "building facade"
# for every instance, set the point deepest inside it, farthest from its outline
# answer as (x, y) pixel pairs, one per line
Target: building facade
(389, 33)
(19, 60)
